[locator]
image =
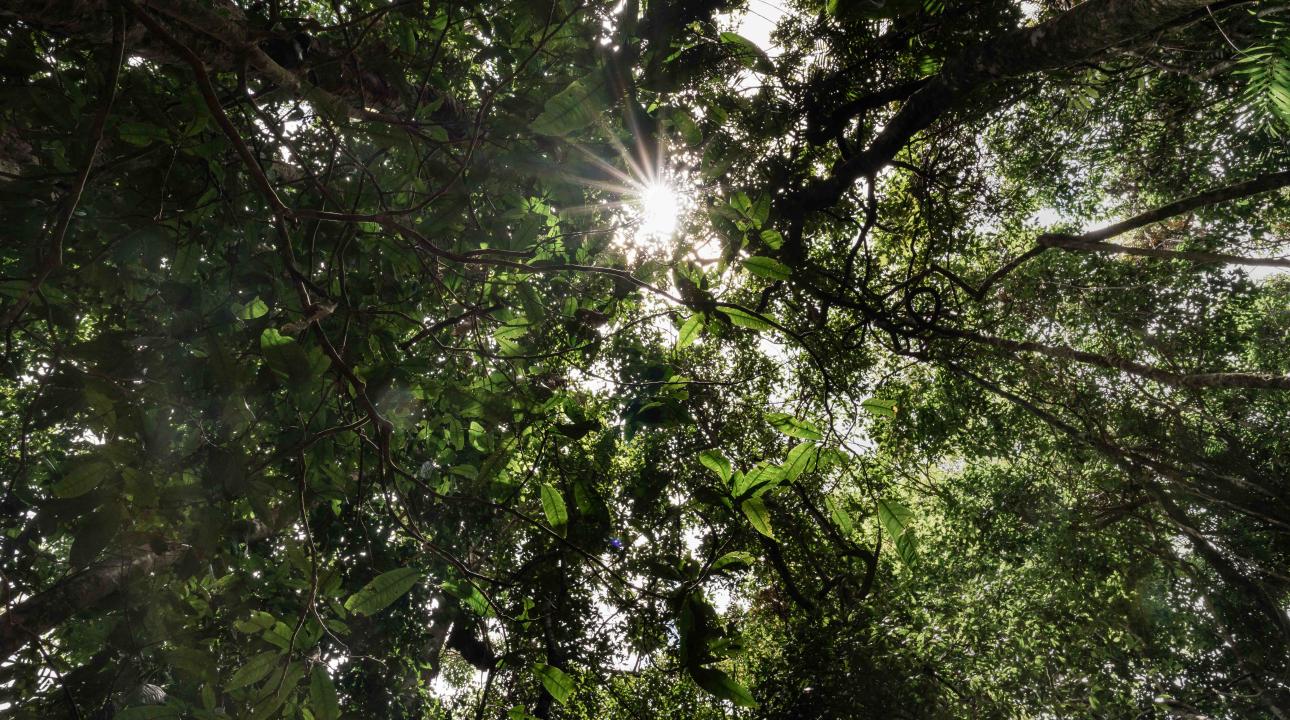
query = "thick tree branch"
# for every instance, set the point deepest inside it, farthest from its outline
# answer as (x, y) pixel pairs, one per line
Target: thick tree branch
(1193, 380)
(1093, 241)
(1072, 37)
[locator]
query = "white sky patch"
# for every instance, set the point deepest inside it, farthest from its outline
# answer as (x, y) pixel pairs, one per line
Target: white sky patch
(756, 22)
(1049, 216)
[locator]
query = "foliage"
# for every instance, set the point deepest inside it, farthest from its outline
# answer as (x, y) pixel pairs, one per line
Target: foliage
(344, 376)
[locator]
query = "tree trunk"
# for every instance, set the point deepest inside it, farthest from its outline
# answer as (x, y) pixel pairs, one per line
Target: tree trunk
(37, 615)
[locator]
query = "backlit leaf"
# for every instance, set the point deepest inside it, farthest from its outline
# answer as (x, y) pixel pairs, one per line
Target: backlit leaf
(801, 459)
(689, 332)
(573, 108)
(897, 520)
(556, 682)
(745, 319)
(715, 461)
(723, 686)
(733, 560)
(793, 427)
(557, 514)
(767, 268)
(383, 590)
(253, 670)
(748, 53)
(755, 510)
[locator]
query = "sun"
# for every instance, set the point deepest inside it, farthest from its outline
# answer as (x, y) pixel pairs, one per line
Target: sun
(659, 210)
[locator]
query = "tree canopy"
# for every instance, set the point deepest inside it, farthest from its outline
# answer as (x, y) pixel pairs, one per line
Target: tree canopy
(610, 359)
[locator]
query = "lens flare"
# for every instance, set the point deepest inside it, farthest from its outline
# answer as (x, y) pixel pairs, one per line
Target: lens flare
(659, 211)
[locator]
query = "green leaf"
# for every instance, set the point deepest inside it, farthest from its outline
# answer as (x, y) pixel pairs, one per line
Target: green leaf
(84, 476)
(254, 309)
(733, 560)
(897, 519)
(793, 427)
(760, 211)
(748, 53)
(880, 407)
(757, 514)
(284, 355)
(383, 590)
(258, 622)
(322, 695)
(840, 516)
(767, 268)
(470, 595)
(573, 108)
(138, 133)
(723, 686)
(717, 462)
(555, 681)
(690, 330)
(803, 458)
(253, 671)
(557, 514)
(758, 480)
(772, 239)
(745, 319)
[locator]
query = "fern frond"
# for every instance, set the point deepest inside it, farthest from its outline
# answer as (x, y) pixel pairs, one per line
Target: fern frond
(1266, 96)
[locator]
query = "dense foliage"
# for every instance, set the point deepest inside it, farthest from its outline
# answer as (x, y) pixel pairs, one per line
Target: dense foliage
(353, 366)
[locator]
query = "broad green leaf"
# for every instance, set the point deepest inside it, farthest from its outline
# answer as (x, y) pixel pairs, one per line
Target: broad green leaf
(760, 212)
(772, 239)
(897, 519)
(756, 512)
(284, 355)
(258, 622)
(469, 595)
(840, 516)
(322, 695)
(748, 53)
(84, 476)
(717, 462)
(758, 480)
(254, 309)
(555, 681)
(139, 133)
(879, 407)
(793, 427)
(690, 330)
(723, 686)
(767, 267)
(557, 514)
(801, 459)
(383, 590)
(254, 670)
(733, 560)
(745, 319)
(573, 108)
